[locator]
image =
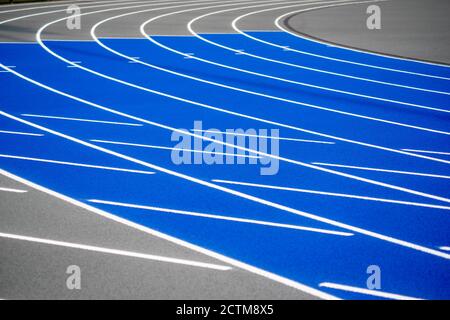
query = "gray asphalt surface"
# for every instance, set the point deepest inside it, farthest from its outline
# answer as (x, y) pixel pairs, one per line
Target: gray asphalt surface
(418, 29)
(38, 271)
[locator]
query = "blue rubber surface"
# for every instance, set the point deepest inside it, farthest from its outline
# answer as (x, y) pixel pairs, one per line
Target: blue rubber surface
(308, 257)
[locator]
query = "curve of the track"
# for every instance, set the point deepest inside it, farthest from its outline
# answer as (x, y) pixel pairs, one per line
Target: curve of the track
(179, 116)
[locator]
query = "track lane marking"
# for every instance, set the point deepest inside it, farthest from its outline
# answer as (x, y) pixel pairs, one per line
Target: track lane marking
(22, 133)
(82, 120)
(333, 194)
(221, 217)
(427, 151)
(125, 253)
(375, 293)
(75, 164)
(382, 170)
(12, 190)
(174, 149)
(262, 136)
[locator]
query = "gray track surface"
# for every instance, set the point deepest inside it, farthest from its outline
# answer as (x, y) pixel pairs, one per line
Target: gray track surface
(37, 271)
(418, 29)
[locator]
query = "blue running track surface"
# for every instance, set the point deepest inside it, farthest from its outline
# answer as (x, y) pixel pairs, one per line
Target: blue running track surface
(361, 181)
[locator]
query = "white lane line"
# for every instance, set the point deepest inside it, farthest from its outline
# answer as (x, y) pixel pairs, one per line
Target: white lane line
(82, 120)
(12, 190)
(260, 57)
(78, 2)
(333, 194)
(220, 217)
(261, 136)
(174, 149)
(445, 248)
(281, 27)
(303, 104)
(115, 252)
(75, 164)
(22, 133)
(189, 27)
(382, 170)
(239, 194)
(74, 64)
(375, 293)
(427, 151)
(180, 242)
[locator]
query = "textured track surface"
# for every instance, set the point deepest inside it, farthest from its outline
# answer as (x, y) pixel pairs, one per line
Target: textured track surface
(89, 113)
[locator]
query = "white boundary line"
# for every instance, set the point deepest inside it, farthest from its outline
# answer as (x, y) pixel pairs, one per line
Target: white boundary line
(82, 120)
(260, 136)
(333, 194)
(382, 170)
(177, 241)
(22, 133)
(125, 253)
(75, 164)
(375, 293)
(13, 190)
(427, 151)
(60, 4)
(174, 149)
(220, 217)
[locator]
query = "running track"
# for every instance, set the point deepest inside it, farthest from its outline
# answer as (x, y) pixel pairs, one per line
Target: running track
(364, 175)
